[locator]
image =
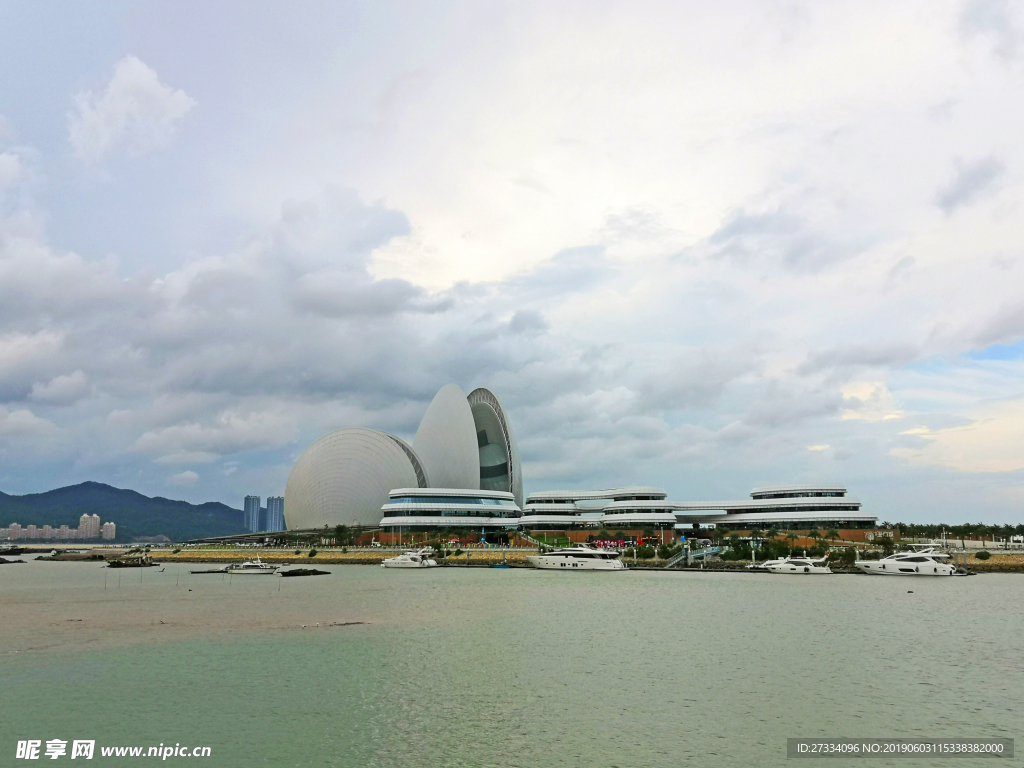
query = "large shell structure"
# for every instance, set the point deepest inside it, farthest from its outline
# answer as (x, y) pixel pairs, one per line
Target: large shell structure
(446, 441)
(344, 478)
(500, 469)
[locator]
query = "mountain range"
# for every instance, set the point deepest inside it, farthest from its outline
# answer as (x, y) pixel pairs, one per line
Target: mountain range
(134, 514)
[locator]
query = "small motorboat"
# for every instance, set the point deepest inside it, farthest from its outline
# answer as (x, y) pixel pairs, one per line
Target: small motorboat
(251, 568)
(418, 559)
(801, 565)
(303, 572)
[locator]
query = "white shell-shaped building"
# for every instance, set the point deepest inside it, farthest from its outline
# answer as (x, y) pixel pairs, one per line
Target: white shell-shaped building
(499, 455)
(462, 443)
(446, 441)
(344, 478)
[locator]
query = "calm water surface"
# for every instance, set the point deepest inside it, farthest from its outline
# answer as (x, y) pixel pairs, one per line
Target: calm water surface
(491, 667)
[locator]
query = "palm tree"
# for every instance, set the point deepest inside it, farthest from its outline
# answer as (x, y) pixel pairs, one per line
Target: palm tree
(832, 534)
(792, 538)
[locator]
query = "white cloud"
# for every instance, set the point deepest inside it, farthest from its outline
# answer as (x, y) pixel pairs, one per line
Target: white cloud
(188, 477)
(228, 433)
(188, 457)
(819, 448)
(916, 431)
(869, 401)
(135, 111)
(61, 390)
(992, 442)
(22, 422)
(11, 170)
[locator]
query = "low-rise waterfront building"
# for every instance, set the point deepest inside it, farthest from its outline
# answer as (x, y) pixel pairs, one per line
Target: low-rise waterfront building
(632, 508)
(785, 507)
(433, 509)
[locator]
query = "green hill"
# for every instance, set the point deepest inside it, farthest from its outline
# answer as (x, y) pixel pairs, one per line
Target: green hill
(134, 514)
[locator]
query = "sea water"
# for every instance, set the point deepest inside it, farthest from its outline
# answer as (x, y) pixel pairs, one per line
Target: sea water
(502, 667)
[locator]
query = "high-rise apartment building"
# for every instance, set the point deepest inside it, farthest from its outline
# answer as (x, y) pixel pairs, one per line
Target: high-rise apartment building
(108, 531)
(89, 527)
(252, 513)
(275, 513)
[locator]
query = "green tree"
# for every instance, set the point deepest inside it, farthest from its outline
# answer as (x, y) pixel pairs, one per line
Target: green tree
(832, 534)
(792, 538)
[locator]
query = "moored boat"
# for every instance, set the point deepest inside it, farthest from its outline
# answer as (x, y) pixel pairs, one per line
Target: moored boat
(411, 559)
(800, 565)
(921, 562)
(303, 572)
(133, 561)
(580, 558)
(251, 568)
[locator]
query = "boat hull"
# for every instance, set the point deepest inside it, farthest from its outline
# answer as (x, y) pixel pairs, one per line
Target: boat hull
(408, 564)
(878, 568)
(553, 563)
(803, 570)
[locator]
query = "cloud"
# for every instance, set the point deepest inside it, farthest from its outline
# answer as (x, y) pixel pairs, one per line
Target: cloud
(11, 170)
(230, 432)
(135, 112)
(748, 238)
(869, 401)
(858, 356)
(784, 406)
(62, 390)
(188, 477)
(22, 422)
(1005, 325)
(993, 21)
(330, 293)
(24, 357)
(819, 448)
(972, 181)
(695, 380)
(991, 443)
(916, 431)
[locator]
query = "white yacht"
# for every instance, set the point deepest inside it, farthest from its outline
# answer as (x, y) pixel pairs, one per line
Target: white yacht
(921, 562)
(410, 559)
(799, 565)
(579, 557)
(251, 568)
(763, 565)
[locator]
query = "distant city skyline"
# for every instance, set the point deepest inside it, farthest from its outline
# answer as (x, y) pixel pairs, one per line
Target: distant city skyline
(251, 512)
(275, 513)
(89, 527)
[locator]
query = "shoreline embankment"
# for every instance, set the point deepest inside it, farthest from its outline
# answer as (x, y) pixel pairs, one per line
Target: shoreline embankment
(516, 558)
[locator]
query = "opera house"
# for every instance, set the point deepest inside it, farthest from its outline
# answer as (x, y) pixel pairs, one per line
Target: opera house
(464, 445)
(462, 471)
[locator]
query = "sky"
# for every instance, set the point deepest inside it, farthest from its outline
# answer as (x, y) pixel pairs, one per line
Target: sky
(704, 247)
